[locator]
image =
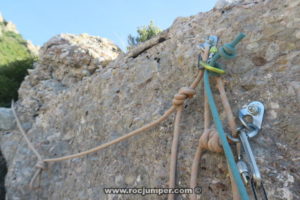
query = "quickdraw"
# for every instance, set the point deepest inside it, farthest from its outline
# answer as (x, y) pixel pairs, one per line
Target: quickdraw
(227, 150)
(248, 129)
(255, 110)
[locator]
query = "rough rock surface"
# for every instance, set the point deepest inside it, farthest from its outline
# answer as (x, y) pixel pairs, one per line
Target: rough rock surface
(64, 61)
(7, 120)
(70, 114)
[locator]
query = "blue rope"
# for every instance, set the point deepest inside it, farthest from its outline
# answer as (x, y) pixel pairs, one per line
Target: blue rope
(228, 153)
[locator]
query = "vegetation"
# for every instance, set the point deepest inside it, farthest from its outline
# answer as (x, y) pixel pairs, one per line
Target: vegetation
(144, 33)
(11, 77)
(15, 59)
(12, 48)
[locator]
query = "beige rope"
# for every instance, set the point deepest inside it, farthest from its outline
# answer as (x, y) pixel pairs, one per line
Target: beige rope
(209, 140)
(227, 107)
(199, 150)
(40, 165)
(120, 139)
(232, 127)
(204, 137)
(23, 132)
(178, 101)
(42, 162)
(177, 104)
(173, 157)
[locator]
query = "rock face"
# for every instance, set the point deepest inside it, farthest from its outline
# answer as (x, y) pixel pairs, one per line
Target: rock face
(72, 110)
(7, 120)
(64, 61)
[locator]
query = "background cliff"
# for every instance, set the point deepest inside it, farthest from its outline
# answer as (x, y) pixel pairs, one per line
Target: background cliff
(81, 94)
(12, 46)
(16, 56)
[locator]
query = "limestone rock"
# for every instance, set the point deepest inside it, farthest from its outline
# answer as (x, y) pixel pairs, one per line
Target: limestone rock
(7, 121)
(64, 60)
(34, 49)
(221, 4)
(11, 27)
(224, 5)
(72, 112)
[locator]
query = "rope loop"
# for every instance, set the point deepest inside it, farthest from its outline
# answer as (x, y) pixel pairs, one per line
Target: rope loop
(209, 140)
(182, 95)
(41, 165)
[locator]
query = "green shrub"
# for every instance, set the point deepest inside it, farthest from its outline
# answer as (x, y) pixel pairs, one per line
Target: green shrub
(11, 77)
(12, 48)
(144, 33)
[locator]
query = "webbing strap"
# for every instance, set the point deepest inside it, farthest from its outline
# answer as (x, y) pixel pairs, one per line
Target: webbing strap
(211, 68)
(228, 153)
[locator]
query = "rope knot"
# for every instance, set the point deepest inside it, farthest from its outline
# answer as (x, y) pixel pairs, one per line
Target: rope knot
(210, 140)
(182, 95)
(40, 165)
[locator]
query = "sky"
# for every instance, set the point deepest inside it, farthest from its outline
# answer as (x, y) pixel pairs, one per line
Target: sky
(39, 20)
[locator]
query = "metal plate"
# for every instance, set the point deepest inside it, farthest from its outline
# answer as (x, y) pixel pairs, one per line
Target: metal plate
(256, 111)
